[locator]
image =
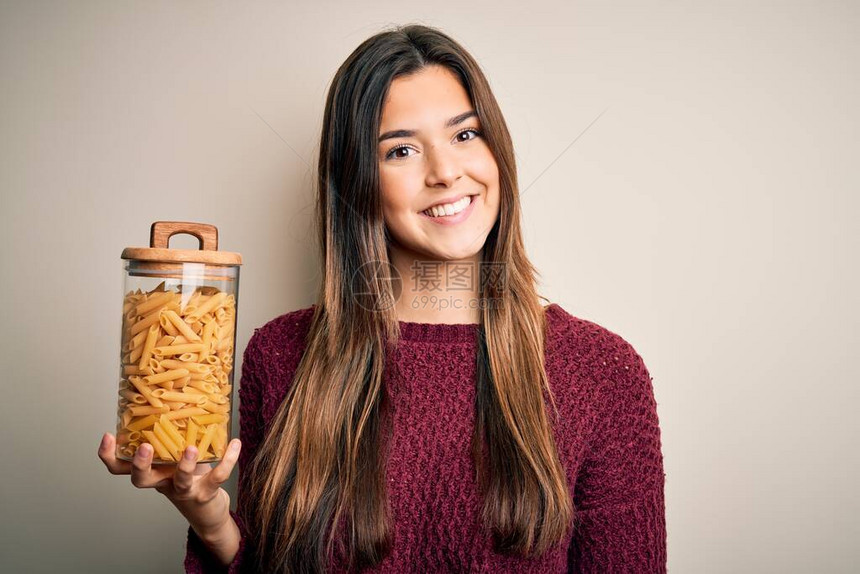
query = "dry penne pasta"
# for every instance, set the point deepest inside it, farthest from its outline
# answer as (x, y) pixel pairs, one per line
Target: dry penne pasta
(185, 413)
(176, 372)
(170, 428)
(170, 375)
(132, 396)
(219, 439)
(145, 391)
(137, 411)
(192, 367)
(181, 326)
(148, 345)
(156, 300)
(212, 302)
(146, 322)
(174, 449)
(206, 439)
(135, 341)
(142, 423)
(215, 407)
(179, 349)
(182, 398)
(165, 340)
(210, 418)
(191, 432)
(160, 451)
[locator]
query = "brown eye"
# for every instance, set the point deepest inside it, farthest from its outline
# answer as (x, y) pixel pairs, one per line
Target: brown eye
(476, 132)
(391, 153)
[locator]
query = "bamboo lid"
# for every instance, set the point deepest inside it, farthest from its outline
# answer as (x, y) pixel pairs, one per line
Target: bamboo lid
(159, 252)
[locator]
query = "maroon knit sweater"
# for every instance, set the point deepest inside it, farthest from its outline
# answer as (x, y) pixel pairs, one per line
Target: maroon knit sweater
(607, 435)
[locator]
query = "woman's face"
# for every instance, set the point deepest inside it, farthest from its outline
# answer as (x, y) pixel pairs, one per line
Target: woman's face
(425, 161)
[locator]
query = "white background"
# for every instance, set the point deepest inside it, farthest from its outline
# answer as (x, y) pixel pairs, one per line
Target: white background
(705, 217)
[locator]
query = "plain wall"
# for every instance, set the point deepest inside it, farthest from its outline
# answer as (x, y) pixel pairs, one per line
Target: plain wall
(704, 215)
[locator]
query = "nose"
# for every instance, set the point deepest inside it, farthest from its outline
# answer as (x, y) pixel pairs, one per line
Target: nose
(443, 167)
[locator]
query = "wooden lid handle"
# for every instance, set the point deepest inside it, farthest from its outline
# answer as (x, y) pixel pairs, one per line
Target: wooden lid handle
(161, 232)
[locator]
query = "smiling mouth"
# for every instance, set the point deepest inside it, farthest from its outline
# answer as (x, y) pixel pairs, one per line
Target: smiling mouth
(450, 209)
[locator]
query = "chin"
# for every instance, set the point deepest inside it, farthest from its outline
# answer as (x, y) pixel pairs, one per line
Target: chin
(454, 254)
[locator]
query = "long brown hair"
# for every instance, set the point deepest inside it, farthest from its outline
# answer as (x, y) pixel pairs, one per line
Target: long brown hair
(321, 464)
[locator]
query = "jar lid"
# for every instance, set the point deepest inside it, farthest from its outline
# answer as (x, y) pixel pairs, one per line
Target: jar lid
(159, 238)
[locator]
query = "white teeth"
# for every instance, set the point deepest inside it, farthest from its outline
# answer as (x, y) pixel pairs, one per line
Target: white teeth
(449, 208)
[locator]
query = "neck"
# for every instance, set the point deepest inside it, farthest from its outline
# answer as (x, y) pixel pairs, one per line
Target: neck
(437, 291)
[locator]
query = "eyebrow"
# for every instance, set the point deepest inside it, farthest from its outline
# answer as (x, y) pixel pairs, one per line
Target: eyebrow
(456, 120)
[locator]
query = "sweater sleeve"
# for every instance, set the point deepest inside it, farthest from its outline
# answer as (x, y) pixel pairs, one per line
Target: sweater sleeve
(198, 558)
(619, 515)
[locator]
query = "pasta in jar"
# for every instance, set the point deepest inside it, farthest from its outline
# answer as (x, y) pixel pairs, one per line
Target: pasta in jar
(176, 361)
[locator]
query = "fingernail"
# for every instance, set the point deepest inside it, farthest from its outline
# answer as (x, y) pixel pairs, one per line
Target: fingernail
(189, 453)
(104, 441)
(234, 446)
(144, 450)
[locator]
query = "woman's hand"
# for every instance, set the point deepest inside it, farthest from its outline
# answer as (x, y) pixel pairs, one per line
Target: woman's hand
(195, 489)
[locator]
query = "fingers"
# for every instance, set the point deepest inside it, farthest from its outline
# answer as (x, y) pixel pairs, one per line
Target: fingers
(107, 452)
(142, 473)
(223, 469)
(185, 471)
(141, 465)
(140, 469)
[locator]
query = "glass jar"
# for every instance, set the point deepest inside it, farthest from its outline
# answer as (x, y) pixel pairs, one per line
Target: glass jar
(177, 345)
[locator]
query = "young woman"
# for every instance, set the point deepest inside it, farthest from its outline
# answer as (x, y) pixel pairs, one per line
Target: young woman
(428, 413)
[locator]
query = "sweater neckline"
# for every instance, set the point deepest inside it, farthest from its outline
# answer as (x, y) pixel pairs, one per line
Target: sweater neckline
(438, 332)
(446, 332)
